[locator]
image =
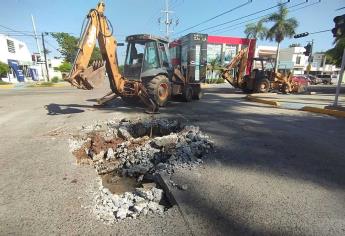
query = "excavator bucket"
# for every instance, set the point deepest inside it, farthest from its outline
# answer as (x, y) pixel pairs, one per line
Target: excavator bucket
(90, 78)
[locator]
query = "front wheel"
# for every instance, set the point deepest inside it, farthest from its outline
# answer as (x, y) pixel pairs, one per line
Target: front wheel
(159, 89)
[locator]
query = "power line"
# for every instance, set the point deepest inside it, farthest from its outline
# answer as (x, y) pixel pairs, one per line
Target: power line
(254, 13)
(246, 21)
(217, 16)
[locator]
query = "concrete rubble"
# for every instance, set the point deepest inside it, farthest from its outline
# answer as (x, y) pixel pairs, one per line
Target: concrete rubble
(138, 149)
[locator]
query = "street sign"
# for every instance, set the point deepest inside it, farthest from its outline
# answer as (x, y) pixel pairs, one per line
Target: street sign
(305, 34)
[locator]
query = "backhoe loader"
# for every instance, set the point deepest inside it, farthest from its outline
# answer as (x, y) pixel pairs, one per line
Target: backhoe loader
(260, 79)
(148, 75)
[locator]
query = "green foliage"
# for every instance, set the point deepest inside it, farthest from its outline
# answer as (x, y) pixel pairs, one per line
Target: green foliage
(256, 31)
(3, 82)
(282, 26)
(55, 79)
(68, 47)
(65, 67)
(4, 69)
(335, 54)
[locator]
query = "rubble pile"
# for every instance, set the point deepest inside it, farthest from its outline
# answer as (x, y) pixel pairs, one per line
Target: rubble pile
(111, 207)
(138, 149)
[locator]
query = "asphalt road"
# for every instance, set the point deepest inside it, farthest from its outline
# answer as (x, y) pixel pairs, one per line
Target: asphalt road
(275, 171)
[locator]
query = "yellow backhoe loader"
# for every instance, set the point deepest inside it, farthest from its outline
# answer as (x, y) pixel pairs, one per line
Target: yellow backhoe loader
(148, 75)
(261, 79)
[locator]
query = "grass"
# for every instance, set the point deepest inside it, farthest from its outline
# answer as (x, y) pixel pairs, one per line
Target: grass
(43, 84)
(4, 83)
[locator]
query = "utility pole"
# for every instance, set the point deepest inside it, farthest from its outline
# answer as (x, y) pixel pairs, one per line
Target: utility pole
(341, 75)
(37, 43)
(45, 55)
(168, 21)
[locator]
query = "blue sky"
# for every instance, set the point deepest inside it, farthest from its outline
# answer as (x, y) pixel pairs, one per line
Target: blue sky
(141, 16)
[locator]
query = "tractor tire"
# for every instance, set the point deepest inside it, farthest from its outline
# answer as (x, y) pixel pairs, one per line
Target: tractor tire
(159, 90)
(187, 93)
(197, 93)
(262, 86)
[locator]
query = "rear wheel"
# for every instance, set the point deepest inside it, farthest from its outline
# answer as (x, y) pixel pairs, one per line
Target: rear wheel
(187, 93)
(159, 89)
(262, 86)
(197, 93)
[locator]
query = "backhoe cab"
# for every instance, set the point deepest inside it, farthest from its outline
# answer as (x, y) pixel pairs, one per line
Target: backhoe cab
(147, 61)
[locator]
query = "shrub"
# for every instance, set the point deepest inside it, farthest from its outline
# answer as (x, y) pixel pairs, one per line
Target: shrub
(55, 79)
(4, 69)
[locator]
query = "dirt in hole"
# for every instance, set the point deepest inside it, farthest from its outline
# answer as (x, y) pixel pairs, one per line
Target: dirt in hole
(119, 185)
(98, 143)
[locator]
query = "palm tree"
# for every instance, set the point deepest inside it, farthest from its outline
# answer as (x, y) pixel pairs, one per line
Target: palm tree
(282, 27)
(256, 30)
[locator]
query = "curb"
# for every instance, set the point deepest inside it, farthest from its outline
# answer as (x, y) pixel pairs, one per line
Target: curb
(204, 85)
(260, 100)
(7, 86)
(331, 112)
(325, 111)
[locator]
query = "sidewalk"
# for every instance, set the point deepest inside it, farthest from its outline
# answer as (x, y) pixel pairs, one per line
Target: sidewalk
(317, 103)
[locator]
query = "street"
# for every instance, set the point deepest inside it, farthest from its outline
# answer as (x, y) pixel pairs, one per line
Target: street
(273, 172)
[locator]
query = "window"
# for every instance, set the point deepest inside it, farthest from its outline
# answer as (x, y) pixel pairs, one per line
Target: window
(151, 57)
(298, 60)
(163, 54)
(10, 46)
(135, 53)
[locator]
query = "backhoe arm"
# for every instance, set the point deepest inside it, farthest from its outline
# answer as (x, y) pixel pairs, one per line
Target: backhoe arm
(239, 63)
(87, 77)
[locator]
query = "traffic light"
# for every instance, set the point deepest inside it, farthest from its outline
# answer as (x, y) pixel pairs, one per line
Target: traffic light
(339, 28)
(301, 35)
(308, 49)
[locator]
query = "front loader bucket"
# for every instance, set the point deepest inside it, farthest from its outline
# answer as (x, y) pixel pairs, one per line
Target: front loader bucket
(90, 78)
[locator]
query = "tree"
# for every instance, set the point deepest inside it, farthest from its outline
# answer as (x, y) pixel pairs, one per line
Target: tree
(4, 69)
(68, 47)
(65, 67)
(335, 54)
(282, 27)
(213, 66)
(256, 31)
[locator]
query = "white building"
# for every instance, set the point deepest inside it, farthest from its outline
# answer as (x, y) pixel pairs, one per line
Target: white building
(293, 59)
(16, 54)
(319, 66)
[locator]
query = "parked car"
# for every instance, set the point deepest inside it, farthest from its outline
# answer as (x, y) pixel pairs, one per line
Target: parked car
(334, 79)
(301, 80)
(326, 79)
(313, 79)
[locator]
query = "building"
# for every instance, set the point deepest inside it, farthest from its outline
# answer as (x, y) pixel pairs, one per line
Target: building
(16, 54)
(319, 66)
(293, 59)
(194, 52)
